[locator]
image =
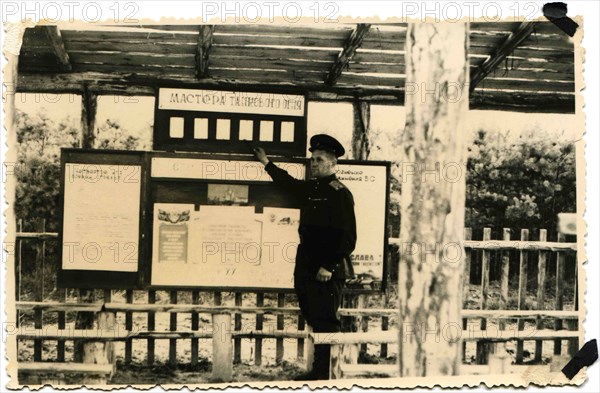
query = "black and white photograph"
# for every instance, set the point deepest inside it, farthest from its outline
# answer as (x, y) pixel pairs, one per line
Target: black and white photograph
(227, 198)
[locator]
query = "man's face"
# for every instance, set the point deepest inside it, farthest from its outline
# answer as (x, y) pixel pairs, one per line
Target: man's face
(322, 164)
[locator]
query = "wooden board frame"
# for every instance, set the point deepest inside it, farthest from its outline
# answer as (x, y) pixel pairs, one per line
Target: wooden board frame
(91, 279)
(88, 279)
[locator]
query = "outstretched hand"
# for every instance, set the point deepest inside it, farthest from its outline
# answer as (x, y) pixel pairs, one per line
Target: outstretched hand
(261, 155)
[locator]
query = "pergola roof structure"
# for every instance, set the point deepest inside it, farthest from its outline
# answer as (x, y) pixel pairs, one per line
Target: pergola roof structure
(516, 66)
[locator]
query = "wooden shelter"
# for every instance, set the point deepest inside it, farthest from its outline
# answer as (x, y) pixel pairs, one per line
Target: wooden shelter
(515, 66)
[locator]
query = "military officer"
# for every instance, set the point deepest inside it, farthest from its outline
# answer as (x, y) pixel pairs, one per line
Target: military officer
(327, 238)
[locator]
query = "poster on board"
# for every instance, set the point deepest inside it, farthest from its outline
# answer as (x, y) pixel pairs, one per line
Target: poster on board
(100, 229)
(223, 246)
(368, 184)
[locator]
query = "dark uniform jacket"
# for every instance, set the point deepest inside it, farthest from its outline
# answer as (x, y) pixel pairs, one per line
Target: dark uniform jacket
(327, 223)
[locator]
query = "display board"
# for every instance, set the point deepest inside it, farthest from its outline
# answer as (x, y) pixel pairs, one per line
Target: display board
(232, 228)
(101, 200)
(189, 220)
(369, 186)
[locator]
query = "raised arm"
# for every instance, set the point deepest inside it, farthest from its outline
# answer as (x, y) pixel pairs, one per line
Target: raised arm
(280, 176)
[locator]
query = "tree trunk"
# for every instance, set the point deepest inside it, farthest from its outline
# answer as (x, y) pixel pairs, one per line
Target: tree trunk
(433, 199)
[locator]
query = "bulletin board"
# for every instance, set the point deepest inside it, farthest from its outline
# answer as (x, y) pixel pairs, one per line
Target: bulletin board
(219, 221)
(201, 221)
(101, 220)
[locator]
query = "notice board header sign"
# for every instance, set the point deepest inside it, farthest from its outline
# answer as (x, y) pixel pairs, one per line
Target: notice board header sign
(231, 102)
(225, 121)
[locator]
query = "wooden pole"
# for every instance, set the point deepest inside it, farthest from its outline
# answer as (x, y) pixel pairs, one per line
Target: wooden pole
(84, 320)
(522, 294)
(195, 326)
(173, 328)
(237, 342)
(260, 301)
(89, 104)
(222, 369)
(468, 235)
(309, 354)
(433, 208)
(541, 292)
(483, 348)
(151, 327)
(360, 134)
(39, 289)
(280, 326)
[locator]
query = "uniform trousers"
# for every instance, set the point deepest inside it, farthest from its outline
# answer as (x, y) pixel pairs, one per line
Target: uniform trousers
(319, 303)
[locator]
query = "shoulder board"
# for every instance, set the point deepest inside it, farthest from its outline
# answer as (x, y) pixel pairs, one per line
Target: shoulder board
(337, 185)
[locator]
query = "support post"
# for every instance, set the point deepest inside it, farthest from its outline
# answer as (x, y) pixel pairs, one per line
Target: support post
(309, 354)
(222, 369)
(360, 135)
(100, 352)
(89, 104)
(433, 211)
(341, 354)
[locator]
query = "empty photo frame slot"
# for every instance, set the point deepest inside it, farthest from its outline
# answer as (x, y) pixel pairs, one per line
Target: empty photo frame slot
(201, 128)
(176, 127)
(246, 130)
(223, 129)
(266, 131)
(287, 131)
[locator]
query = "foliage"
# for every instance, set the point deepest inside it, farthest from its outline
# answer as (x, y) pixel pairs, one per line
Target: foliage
(38, 167)
(39, 141)
(111, 135)
(521, 182)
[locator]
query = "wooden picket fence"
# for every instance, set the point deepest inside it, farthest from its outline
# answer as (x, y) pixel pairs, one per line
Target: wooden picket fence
(105, 317)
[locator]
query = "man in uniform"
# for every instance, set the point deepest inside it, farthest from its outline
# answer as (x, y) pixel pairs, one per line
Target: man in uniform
(327, 238)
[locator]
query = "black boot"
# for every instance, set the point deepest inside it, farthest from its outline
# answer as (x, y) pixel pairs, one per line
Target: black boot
(320, 369)
(321, 363)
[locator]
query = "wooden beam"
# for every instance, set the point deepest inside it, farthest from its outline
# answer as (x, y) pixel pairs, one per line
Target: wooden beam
(58, 47)
(89, 104)
(205, 41)
(433, 211)
(352, 44)
(131, 84)
(511, 42)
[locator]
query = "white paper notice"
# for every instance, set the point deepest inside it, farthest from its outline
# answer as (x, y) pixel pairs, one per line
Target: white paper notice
(280, 244)
(230, 246)
(368, 186)
(101, 217)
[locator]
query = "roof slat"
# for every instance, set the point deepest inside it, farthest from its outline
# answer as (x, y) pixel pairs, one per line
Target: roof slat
(334, 32)
(527, 85)
(184, 72)
(274, 53)
(258, 62)
(126, 47)
(140, 59)
(271, 40)
(127, 36)
(522, 101)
